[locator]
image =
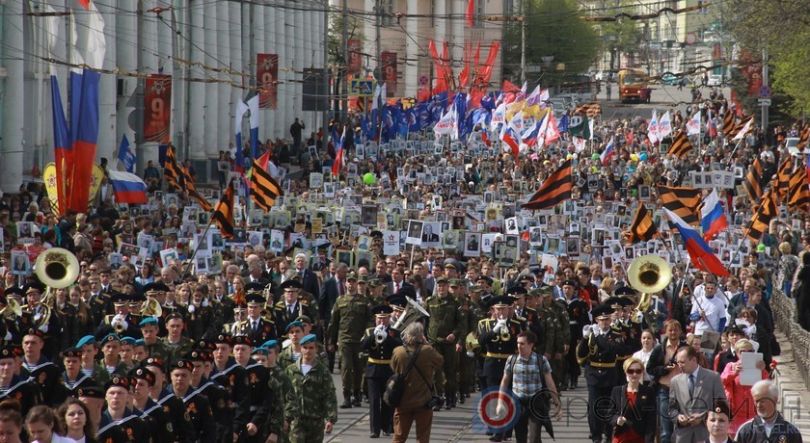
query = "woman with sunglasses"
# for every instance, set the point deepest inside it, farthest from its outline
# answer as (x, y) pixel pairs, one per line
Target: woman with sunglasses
(633, 407)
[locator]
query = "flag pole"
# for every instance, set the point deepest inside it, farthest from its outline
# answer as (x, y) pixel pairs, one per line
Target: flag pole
(197, 246)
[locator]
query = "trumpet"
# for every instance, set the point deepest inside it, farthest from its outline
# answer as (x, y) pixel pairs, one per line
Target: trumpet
(503, 328)
(119, 324)
(380, 334)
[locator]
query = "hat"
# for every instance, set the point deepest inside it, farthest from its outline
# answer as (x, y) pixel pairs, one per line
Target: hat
(624, 290)
(721, 407)
(304, 319)
(603, 310)
(119, 297)
(127, 340)
(449, 265)
(72, 353)
(570, 283)
(13, 290)
(254, 297)
(308, 339)
(173, 316)
(612, 302)
(625, 302)
(382, 310)
(269, 344)
(487, 279)
(455, 282)
(147, 321)
(476, 288)
(291, 284)
(254, 287)
(182, 364)
(261, 350)
(242, 340)
(36, 332)
(8, 351)
(545, 291)
(89, 389)
(118, 381)
(293, 324)
(736, 329)
(500, 302)
(351, 276)
(34, 286)
(197, 355)
(376, 283)
(142, 373)
(363, 279)
(516, 291)
(224, 338)
(155, 287)
(397, 302)
(139, 342)
(156, 362)
(112, 336)
(86, 340)
(442, 280)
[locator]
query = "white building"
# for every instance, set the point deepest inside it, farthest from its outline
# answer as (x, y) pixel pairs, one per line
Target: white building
(208, 47)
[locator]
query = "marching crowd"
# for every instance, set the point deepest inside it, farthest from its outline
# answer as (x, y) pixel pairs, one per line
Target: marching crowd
(145, 346)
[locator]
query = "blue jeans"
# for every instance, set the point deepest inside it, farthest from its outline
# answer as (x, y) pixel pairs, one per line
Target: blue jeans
(663, 413)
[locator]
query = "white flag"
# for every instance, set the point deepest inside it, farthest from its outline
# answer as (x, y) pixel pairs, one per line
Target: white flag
(664, 126)
(745, 130)
(652, 128)
(693, 125)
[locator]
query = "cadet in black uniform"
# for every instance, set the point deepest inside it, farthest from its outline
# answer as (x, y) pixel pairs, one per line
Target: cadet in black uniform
(232, 378)
(247, 425)
(16, 387)
(165, 418)
(197, 407)
(379, 342)
(578, 318)
(36, 366)
(597, 353)
(119, 422)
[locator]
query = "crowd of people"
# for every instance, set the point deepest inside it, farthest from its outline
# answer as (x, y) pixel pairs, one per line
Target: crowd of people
(416, 259)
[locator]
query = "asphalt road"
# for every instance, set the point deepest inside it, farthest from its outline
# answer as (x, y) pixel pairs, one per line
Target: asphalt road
(663, 98)
(460, 424)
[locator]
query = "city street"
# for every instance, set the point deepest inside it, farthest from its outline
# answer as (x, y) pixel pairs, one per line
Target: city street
(663, 97)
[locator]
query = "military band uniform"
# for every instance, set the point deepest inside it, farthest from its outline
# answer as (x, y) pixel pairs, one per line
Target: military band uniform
(310, 403)
(445, 320)
(378, 371)
(577, 319)
(468, 320)
(552, 343)
(350, 316)
(597, 354)
(130, 429)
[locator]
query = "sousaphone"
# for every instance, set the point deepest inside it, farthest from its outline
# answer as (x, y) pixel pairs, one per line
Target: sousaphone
(57, 268)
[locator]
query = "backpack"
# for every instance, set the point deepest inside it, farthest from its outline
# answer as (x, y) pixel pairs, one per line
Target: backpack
(395, 385)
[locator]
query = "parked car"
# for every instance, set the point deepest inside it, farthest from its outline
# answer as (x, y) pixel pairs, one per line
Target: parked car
(669, 79)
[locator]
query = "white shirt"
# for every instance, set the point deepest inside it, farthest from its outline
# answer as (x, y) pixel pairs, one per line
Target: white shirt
(305, 368)
(644, 356)
(714, 309)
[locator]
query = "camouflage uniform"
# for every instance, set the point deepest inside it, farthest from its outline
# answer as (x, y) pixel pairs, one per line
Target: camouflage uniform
(310, 403)
(350, 317)
(554, 321)
(279, 384)
(444, 320)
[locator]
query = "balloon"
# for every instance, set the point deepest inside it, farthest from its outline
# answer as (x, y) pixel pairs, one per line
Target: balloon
(595, 156)
(634, 157)
(369, 179)
(643, 156)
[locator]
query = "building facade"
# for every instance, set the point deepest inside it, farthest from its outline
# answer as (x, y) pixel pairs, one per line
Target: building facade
(209, 48)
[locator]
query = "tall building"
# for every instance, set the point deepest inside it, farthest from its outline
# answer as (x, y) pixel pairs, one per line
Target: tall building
(400, 36)
(209, 48)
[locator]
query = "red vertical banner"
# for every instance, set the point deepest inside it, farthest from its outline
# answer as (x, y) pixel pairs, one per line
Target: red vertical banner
(267, 78)
(389, 74)
(157, 108)
(355, 56)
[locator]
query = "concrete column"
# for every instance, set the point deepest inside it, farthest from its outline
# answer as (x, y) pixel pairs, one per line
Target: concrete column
(129, 113)
(283, 37)
(457, 50)
(108, 137)
(260, 46)
(411, 51)
(197, 96)
(223, 121)
(369, 32)
(212, 56)
(179, 19)
(237, 94)
(149, 61)
(12, 104)
(270, 47)
(298, 63)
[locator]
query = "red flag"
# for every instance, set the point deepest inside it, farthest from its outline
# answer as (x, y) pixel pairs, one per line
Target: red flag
(85, 4)
(470, 13)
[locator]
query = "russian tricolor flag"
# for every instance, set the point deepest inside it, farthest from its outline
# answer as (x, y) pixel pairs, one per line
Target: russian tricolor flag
(508, 137)
(339, 141)
(699, 251)
(128, 188)
(712, 218)
(608, 152)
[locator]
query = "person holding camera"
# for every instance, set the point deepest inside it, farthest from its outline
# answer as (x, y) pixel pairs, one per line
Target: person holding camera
(415, 405)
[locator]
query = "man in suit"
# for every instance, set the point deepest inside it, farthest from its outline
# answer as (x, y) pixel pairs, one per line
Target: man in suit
(691, 394)
(397, 282)
(309, 281)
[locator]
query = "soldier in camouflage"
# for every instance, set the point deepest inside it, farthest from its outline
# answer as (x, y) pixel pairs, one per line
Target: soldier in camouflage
(443, 336)
(311, 406)
(554, 320)
(350, 317)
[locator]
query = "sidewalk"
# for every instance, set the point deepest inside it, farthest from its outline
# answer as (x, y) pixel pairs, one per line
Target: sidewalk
(794, 395)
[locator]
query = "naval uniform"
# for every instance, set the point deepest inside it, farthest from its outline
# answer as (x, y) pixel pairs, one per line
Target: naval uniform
(46, 375)
(129, 429)
(166, 418)
(234, 407)
(378, 371)
(25, 391)
(198, 411)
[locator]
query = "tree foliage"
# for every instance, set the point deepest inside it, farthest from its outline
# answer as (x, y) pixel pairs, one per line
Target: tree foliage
(553, 28)
(782, 27)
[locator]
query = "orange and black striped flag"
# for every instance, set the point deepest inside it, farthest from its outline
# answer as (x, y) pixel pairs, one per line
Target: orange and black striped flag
(804, 137)
(263, 188)
(643, 227)
(223, 215)
(555, 189)
(728, 122)
(762, 218)
(753, 181)
(683, 201)
(592, 110)
(680, 145)
(783, 179)
(174, 174)
(205, 205)
(799, 193)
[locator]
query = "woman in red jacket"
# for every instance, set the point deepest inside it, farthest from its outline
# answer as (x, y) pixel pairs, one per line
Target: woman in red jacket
(739, 396)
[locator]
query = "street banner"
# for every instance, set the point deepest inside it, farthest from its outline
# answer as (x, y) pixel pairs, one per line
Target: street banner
(157, 108)
(389, 74)
(267, 73)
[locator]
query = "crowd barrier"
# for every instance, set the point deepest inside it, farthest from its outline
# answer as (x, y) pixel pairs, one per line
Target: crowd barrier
(785, 319)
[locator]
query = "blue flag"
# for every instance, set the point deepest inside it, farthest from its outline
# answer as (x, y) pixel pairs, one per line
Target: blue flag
(125, 155)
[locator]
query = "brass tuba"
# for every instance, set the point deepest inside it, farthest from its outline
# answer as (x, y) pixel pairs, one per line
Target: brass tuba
(57, 268)
(648, 275)
(151, 308)
(413, 312)
(13, 309)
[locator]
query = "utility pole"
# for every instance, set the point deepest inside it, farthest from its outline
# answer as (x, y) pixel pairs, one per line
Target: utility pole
(325, 98)
(522, 41)
(344, 88)
(765, 81)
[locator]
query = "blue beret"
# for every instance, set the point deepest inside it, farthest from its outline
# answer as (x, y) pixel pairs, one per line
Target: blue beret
(270, 344)
(86, 340)
(139, 342)
(260, 350)
(293, 324)
(128, 341)
(112, 336)
(148, 321)
(308, 338)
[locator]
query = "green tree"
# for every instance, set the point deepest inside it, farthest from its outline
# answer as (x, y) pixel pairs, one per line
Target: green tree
(553, 28)
(336, 52)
